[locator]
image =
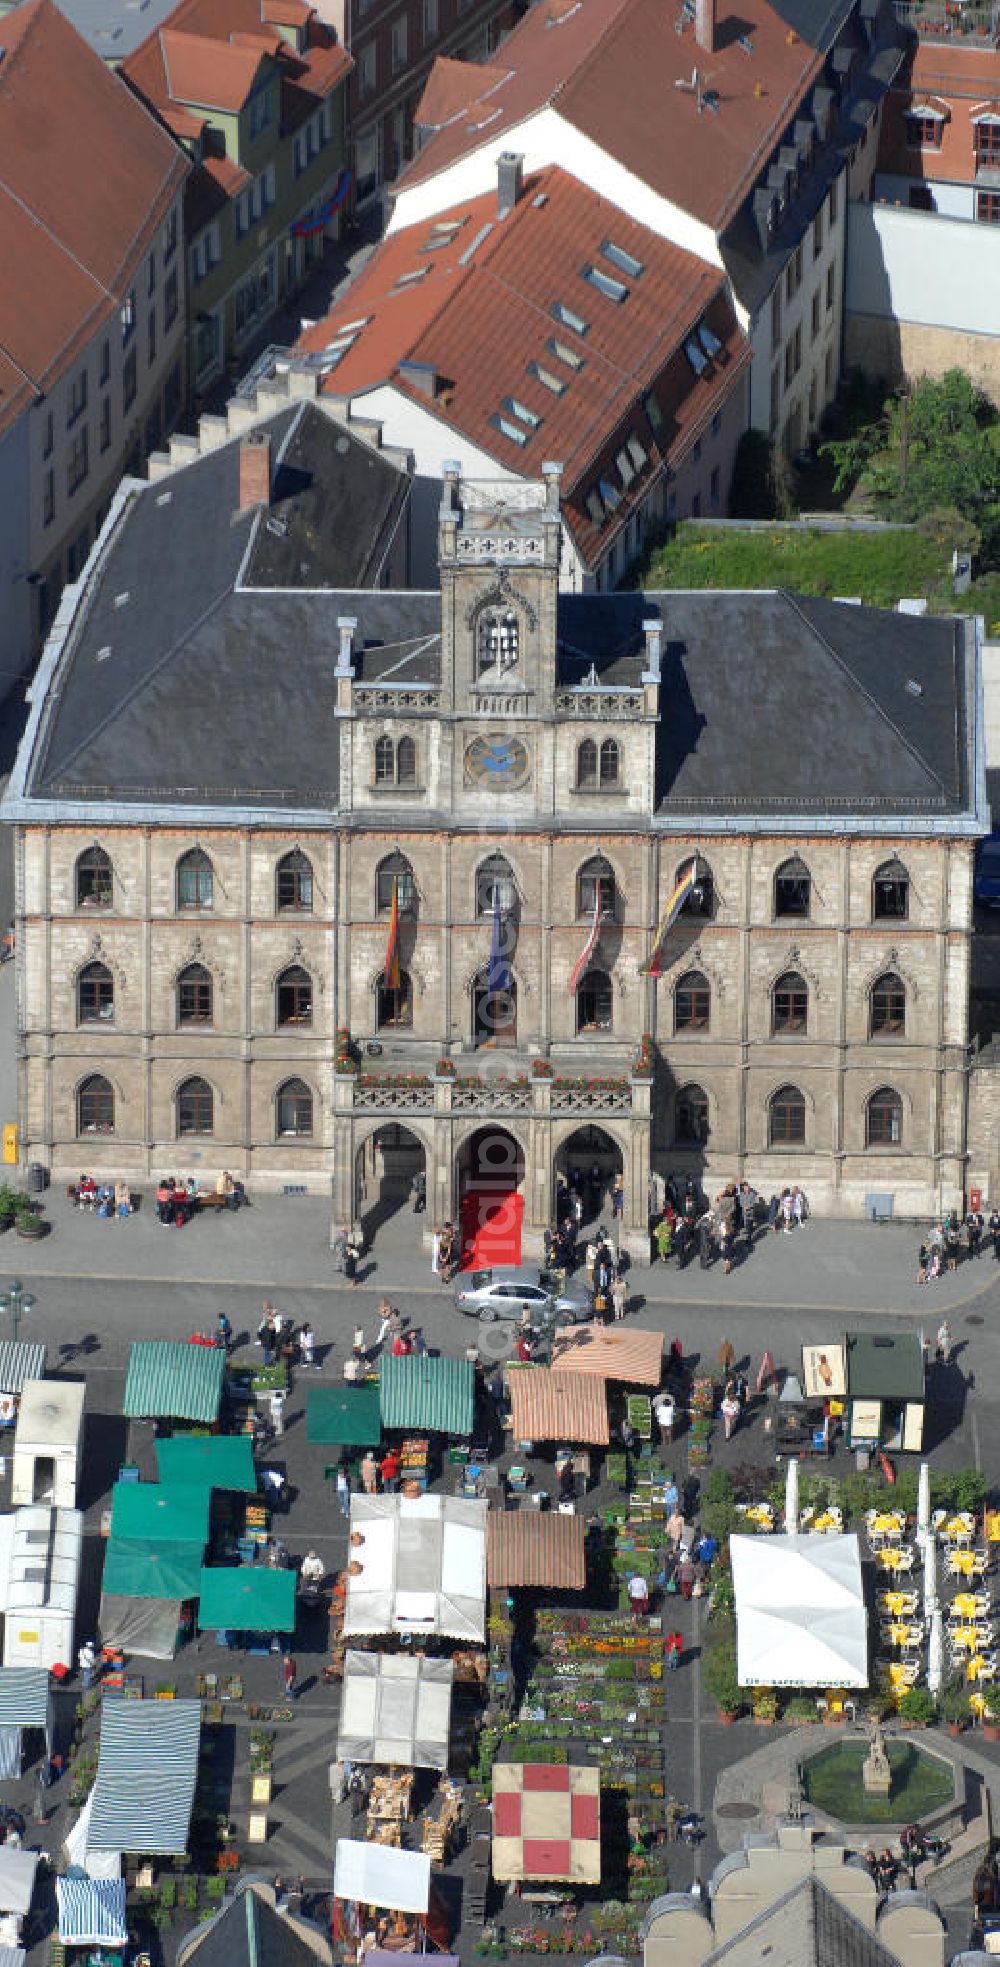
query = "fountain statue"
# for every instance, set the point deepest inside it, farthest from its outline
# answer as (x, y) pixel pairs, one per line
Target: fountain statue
(876, 1773)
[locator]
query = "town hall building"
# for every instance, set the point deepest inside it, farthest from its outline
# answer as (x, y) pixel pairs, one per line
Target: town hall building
(329, 881)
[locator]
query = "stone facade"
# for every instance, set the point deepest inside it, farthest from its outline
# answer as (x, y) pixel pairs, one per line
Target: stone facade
(500, 831)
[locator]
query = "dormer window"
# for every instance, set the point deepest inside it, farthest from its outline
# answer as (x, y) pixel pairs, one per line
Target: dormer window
(497, 640)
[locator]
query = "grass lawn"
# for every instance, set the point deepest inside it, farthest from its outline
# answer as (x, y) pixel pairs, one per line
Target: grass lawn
(920, 1782)
(880, 568)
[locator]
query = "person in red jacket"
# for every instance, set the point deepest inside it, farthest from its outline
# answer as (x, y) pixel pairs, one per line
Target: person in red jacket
(389, 1469)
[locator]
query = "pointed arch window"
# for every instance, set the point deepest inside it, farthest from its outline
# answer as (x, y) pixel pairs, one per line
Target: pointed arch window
(887, 1007)
(596, 870)
(195, 880)
(293, 1110)
(890, 892)
(195, 1108)
(586, 765)
(884, 1119)
(385, 761)
(394, 1006)
(395, 869)
(498, 640)
(95, 885)
(691, 1127)
(95, 995)
(790, 1005)
(294, 997)
(293, 883)
(95, 1105)
(692, 1002)
(595, 1002)
(786, 1118)
(699, 900)
(792, 890)
(609, 763)
(194, 995)
(495, 876)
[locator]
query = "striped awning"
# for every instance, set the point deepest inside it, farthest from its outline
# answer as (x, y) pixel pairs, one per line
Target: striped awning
(92, 1912)
(535, 1547)
(431, 1394)
(24, 1697)
(20, 1361)
(146, 1772)
(614, 1352)
(174, 1380)
(550, 1406)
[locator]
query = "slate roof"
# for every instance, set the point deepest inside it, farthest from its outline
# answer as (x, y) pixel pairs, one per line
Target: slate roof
(806, 1927)
(247, 1933)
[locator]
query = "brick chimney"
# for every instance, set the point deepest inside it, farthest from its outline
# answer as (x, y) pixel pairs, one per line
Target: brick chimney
(704, 25)
(255, 471)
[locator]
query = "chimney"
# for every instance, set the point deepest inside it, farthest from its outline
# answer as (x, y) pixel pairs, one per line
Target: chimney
(255, 471)
(653, 632)
(510, 177)
(763, 202)
(552, 474)
(822, 103)
(704, 25)
(346, 625)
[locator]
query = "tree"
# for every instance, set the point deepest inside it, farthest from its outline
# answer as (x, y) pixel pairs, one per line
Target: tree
(931, 451)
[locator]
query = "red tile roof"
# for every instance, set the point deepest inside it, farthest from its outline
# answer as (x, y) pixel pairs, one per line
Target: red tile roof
(86, 181)
(617, 70)
(476, 328)
(212, 74)
(955, 81)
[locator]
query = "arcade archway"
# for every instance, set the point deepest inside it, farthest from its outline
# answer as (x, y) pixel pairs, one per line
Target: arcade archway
(387, 1164)
(490, 1189)
(586, 1165)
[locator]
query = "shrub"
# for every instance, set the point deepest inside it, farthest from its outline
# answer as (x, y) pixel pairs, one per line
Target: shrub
(721, 1677)
(917, 1705)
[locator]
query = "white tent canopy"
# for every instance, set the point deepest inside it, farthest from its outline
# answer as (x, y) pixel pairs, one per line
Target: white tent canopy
(395, 1709)
(421, 1566)
(376, 1875)
(40, 1552)
(800, 1612)
(17, 1879)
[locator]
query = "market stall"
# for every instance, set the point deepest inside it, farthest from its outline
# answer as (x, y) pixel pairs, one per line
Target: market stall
(25, 1702)
(801, 1425)
(368, 1875)
(800, 1611)
(546, 1823)
(247, 1598)
(146, 1773)
(343, 1416)
(396, 1710)
(40, 1552)
(21, 1360)
(92, 1912)
(208, 1461)
(418, 1565)
(156, 1513)
(885, 1391)
(47, 1443)
(550, 1406)
(145, 1589)
(427, 1392)
(17, 1888)
(174, 1380)
(824, 1372)
(535, 1547)
(612, 1352)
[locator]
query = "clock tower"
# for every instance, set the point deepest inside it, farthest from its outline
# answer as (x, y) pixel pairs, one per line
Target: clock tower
(499, 544)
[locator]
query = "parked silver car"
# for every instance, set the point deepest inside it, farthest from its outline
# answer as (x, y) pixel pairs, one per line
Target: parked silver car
(508, 1289)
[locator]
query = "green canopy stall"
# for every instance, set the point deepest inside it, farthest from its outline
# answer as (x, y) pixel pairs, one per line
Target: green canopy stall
(144, 1587)
(174, 1380)
(247, 1598)
(343, 1416)
(430, 1395)
(160, 1514)
(215, 1461)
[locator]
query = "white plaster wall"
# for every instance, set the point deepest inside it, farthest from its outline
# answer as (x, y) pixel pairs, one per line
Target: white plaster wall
(991, 704)
(797, 313)
(954, 201)
(543, 139)
(889, 253)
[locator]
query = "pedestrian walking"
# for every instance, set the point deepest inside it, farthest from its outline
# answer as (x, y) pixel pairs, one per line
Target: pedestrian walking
(674, 1647)
(369, 1474)
(726, 1245)
(223, 1332)
(266, 1334)
(995, 1232)
(351, 1255)
(748, 1207)
(435, 1248)
(389, 1470)
(385, 1328)
(618, 1197)
(307, 1345)
(344, 1491)
(86, 1660)
(943, 1351)
(727, 1358)
(289, 1674)
(730, 1411)
(277, 1408)
(619, 1296)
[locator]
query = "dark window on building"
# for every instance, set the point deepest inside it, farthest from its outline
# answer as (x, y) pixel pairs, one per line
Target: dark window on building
(294, 1108)
(395, 870)
(194, 995)
(888, 1007)
(792, 889)
(592, 872)
(195, 1108)
(884, 1119)
(891, 893)
(294, 882)
(924, 132)
(294, 996)
(406, 762)
(95, 1106)
(586, 765)
(787, 1118)
(195, 880)
(595, 1002)
(610, 762)
(691, 1117)
(494, 876)
(987, 141)
(95, 995)
(790, 1004)
(94, 879)
(692, 1002)
(394, 1007)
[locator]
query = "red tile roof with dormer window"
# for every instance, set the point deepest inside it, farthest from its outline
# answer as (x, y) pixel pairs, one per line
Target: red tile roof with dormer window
(950, 87)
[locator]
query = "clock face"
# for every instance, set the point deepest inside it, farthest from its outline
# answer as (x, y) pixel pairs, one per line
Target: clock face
(497, 761)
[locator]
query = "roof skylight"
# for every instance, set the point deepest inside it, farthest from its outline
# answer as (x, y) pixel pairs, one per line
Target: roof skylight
(410, 279)
(508, 429)
(710, 342)
(625, 262)
(562, 350)
(696, 356)
(560, 312)
(636, 452)
(546, 377)
(613, 290)
(611, 496)
(595, 506)
(521, 411)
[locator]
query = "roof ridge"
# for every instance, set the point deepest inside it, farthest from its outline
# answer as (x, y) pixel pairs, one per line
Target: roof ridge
(54, 237)
(795, 602)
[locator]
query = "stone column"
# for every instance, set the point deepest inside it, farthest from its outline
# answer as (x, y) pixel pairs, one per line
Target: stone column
(636, 1172)
(344, 1197)
(538, 1165)
(442, 1196)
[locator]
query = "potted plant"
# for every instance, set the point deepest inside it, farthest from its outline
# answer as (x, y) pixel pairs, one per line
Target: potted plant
(954, 1705)
(991, 1713)
(28, 1221)
(8, 1205)
(918, 1708)
(801, 1709)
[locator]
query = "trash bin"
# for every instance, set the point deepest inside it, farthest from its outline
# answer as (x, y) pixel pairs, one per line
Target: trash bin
(36, 1177)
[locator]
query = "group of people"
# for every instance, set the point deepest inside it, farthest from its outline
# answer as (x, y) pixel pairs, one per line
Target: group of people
(580, 1197)
(110, 1201)
(281, 1342)
(444, 1251)
(606, 1278)
(347, 1249)
(943, 1249)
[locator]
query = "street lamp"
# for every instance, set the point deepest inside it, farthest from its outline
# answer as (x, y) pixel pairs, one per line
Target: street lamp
(15, 1300)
